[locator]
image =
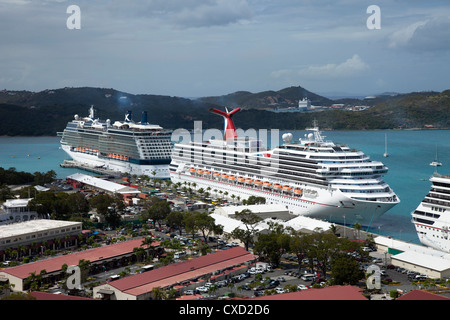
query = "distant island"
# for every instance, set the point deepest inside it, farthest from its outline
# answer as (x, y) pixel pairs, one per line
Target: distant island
(44, 113)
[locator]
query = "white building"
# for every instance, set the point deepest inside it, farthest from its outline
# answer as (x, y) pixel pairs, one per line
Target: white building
(40, 230)
(15, 210)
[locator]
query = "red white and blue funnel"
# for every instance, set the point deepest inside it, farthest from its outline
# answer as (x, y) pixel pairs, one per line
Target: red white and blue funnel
(229, 129)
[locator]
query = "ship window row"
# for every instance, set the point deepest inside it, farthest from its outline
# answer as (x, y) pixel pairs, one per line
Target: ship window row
(365, 190)
(425, 221)
(427, 214)
(440, 184)
(440, 191)
(269, 171)
(443, 203)
(248, 163)
(438, 196)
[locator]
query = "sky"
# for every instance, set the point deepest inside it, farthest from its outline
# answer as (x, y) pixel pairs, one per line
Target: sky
(197, 48)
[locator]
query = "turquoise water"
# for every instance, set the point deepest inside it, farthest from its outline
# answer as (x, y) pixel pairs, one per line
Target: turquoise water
(410, 153)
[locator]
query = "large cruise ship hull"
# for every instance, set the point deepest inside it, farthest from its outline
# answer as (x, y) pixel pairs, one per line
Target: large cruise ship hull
(431, 218)
(322, 203)
(153, 171)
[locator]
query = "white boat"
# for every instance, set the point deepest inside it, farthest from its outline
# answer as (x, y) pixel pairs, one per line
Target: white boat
(125, 146)
(436, 162)
(432, 217)
(385, 154)
(313, 177)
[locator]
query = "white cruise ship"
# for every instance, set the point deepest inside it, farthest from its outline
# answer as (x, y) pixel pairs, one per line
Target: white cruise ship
(122, 146)
(313, 177)
(431, 219)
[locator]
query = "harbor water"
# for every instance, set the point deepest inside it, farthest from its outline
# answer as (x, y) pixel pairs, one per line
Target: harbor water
(410, 153)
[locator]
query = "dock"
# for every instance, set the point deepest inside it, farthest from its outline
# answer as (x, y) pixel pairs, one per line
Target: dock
(90, 168)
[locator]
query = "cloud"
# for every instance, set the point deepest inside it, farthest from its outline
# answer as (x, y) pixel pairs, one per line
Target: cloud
(351, 67)
(213, 13)
(423, 36)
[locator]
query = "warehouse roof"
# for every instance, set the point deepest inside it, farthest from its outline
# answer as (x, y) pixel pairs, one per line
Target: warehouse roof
(181, 271)
(20, 228)
(98, 183)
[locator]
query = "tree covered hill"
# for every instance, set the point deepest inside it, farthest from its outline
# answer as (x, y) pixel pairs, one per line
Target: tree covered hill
(287, 97)
(28, 113)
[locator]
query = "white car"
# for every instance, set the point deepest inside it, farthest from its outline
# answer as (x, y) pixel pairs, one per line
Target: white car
(202, 289)
(302, 287)
(279, 290)
(189, 292)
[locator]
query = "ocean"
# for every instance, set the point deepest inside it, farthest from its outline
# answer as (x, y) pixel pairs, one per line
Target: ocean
(410, 153)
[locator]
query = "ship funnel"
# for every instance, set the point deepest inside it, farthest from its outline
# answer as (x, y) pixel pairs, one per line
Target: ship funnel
(144, 117)
(128, 116)
(230, 130)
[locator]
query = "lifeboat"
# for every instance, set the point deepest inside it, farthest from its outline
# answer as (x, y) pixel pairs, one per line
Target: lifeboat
(240, 179)
(287, 188)
(298, 191)
(232, 177)
(192, 169)
(224, 175)
(248, 180)
(267, 184)
(216, 174)
(277, 186)
(207, 172)
(199, 171)
(258, 182)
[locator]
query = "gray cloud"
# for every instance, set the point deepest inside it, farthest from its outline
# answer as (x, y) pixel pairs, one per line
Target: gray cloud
(423, 36)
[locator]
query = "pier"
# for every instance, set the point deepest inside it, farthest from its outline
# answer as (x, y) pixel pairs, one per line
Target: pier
(90, 168)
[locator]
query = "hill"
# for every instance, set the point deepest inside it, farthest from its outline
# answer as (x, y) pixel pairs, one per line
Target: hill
(267, 100)
(28, 113)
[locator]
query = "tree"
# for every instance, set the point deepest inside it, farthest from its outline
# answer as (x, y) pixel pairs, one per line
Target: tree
(345, 270)
(158, 211)
(158, 293)
(206, 224)
(176, 218)
(271, 246)
(250, 220)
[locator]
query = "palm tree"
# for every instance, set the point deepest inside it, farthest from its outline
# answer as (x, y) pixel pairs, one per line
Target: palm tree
(358, 228)
(148, 241)
(158, 293)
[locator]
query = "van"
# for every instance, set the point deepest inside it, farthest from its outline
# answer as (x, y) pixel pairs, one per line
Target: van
(179, 254)
(114, 277)
(308, 277)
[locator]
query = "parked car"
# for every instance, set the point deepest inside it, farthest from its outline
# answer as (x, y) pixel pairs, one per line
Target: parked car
(420, 277)
(202, 289)
(279, 290)
(189, 292)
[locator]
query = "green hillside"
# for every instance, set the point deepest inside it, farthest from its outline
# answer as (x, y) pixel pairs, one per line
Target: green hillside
(45, 113)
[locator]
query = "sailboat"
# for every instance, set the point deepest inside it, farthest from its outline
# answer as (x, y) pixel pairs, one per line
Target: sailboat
(436, 162)
(386, 154)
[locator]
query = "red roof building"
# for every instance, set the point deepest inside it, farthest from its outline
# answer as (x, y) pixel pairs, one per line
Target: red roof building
(140, 286)
(421, 295)
(53, 266)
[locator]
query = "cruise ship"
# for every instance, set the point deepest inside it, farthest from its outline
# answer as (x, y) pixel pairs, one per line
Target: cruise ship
(123, 146)
(311, 177)
(431, 219)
